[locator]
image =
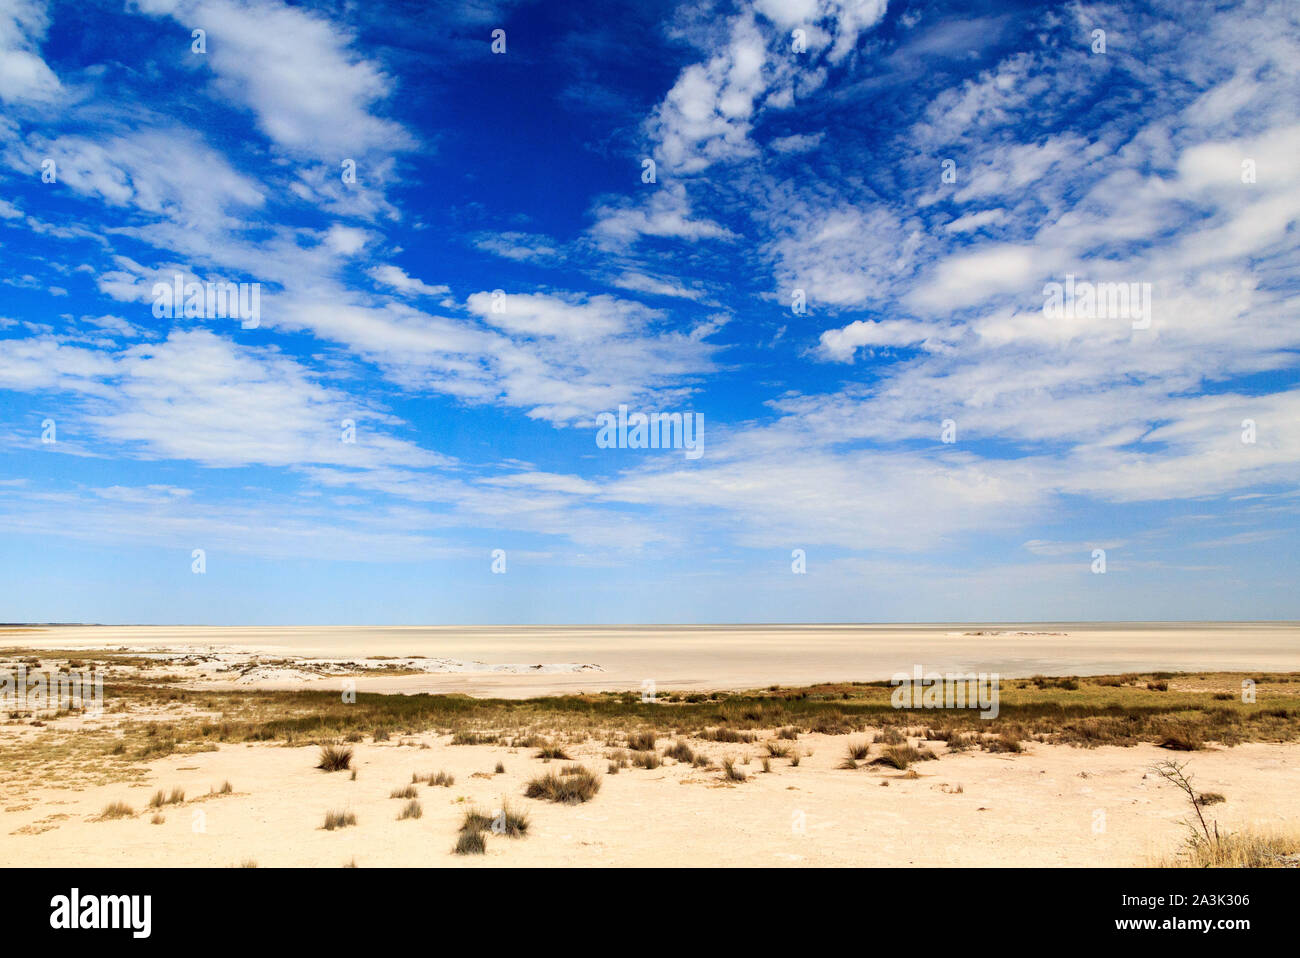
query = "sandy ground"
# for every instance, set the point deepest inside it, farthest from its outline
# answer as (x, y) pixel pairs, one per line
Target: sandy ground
(714, 657)
(1054, 805)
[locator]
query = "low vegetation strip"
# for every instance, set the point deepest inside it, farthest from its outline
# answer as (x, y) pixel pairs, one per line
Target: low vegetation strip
(1180, 711)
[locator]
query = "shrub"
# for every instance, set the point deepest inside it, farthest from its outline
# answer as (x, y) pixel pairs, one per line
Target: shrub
(901, 756)
(1006, 742)
(335, 758)
(680, 751)
(470, 843)
(117, 810)
(475, 820)
(411, 809)
(730, 736)
(641, 741)
(508, 822)
(473, 738)
(335, 820)
(568, 789)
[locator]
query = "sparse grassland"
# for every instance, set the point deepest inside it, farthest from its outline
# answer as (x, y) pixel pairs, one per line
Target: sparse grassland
(1242, 849)
(157, 718)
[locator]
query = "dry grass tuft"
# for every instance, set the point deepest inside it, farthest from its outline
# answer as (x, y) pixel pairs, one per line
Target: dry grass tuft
(641, 741)
(728, 736)
(1245, 849)
(680, 751)
(580, 786)
(335, 820)
(335, 758)
(470, 843)
(116, 810)
(901, 756)
(648, 759)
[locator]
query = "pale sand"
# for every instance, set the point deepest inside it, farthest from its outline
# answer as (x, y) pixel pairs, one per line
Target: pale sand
(1036, 808)
(722, 657)
(1028, 809)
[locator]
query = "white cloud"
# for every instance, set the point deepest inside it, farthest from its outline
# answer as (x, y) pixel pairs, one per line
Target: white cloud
(666, 214)
(708, 114)
(524, 247)
(398, 279)
(975, 221)
(163, 172)
(798, 142)
(25, 78)
(311, 93)
(571, 318)
(841, 344)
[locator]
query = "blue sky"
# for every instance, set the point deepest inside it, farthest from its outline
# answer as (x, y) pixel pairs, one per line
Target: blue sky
(799, 150)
